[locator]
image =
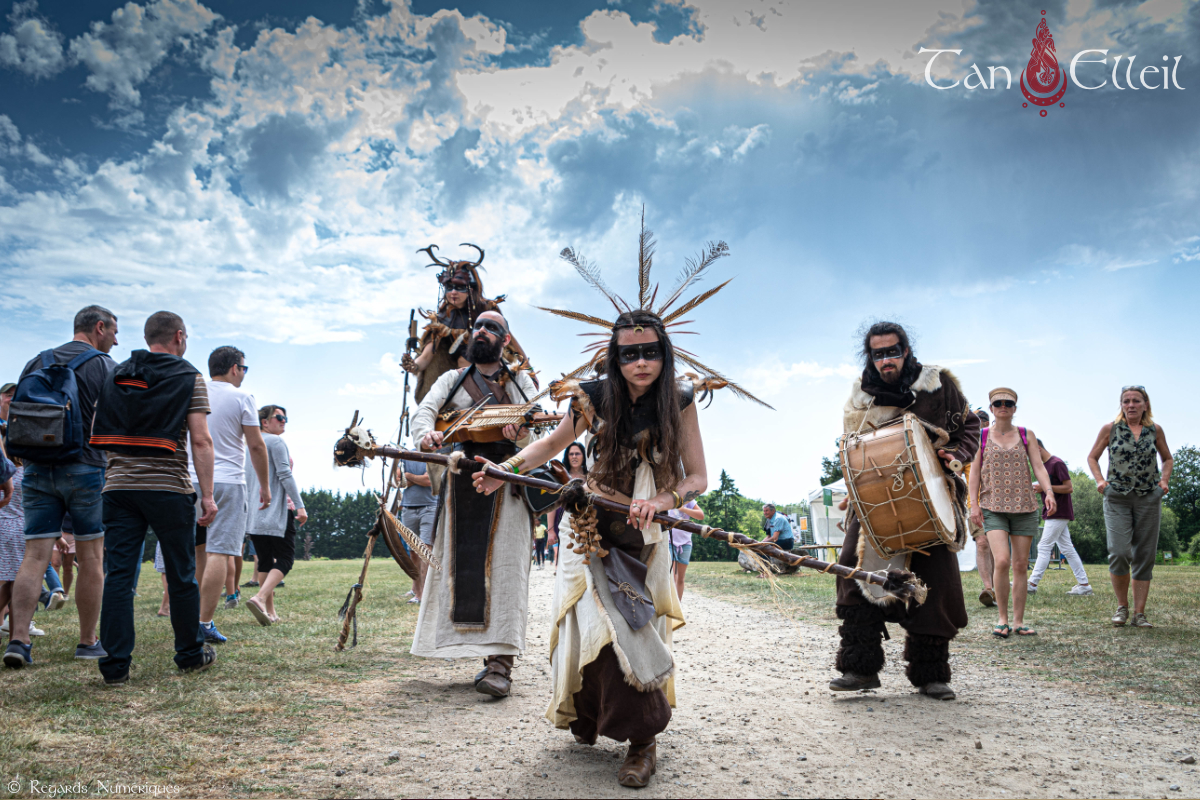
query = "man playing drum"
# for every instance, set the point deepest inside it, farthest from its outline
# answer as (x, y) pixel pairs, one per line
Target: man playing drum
(894, 383)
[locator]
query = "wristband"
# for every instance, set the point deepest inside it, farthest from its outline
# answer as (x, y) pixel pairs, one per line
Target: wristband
(678, 499)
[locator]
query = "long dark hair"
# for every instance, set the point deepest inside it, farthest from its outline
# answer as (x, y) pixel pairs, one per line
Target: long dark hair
(566, 457)
(611, 465)
(883, 328)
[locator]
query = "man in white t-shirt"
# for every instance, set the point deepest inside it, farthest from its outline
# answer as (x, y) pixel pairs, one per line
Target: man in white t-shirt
(234, 426)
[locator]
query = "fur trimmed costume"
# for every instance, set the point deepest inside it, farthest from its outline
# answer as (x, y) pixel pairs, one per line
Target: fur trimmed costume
(937, 398)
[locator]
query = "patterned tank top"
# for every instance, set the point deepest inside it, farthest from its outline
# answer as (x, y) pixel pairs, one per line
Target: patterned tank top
(1004, 481)
(1132, 463)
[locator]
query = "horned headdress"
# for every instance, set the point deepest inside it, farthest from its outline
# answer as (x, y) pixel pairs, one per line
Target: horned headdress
(707, 379)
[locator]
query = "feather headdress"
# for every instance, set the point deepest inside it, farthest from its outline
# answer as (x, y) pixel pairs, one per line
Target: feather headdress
(694, 269)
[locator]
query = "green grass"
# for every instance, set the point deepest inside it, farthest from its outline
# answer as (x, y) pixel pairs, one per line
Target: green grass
(208, 732)
(1076, 643)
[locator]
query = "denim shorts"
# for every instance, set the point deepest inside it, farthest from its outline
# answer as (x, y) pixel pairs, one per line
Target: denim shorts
(49, 492)
(682, 553)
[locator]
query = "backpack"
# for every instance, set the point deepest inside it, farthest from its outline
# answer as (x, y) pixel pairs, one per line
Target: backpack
(45, 422)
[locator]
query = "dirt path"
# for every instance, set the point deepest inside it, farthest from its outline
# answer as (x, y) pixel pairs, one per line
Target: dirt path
(755, 720)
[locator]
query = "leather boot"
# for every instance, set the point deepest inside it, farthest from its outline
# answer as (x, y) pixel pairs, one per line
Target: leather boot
(852, 682)
(496, 680)
(640, 764)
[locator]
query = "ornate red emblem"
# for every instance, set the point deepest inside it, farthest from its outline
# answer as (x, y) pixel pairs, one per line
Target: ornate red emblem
(1043, 81)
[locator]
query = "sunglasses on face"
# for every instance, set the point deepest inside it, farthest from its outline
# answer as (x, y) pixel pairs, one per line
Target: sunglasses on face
(281, 417)
(1004, 404)
(887, 353)
(633, 353)
(245, 369)
(491, 327)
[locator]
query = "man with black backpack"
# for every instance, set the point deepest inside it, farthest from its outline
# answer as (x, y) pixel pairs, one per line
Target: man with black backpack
(49, 420)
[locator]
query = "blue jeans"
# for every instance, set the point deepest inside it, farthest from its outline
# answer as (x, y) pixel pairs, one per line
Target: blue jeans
(52, 581)
(48, 493)
(127, 515)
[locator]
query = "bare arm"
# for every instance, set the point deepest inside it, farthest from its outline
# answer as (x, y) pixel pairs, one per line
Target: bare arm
(973, 488)
(1094, 457)
(695, 513)
(202, 458)
(539, 452)
(417, 480)
(258, 457)
(422, 361)
(1168, 460)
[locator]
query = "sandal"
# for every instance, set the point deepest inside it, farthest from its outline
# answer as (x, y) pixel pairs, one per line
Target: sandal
(1001, 631)
(1024, 631)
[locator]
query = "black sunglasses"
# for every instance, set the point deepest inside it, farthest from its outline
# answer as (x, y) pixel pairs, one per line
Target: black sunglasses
(281, 417)
(457, 287)
(633, 353)
(244, 367)
(1004, 404)
(491, 327)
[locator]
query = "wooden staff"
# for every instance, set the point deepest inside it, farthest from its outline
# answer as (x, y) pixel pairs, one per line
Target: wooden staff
(901, 584)
(354, 598)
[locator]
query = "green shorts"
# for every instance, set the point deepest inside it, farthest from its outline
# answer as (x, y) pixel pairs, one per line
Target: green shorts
(1025, 524)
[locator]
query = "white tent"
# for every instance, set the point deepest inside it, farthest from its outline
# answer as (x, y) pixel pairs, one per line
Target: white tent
(823, 519)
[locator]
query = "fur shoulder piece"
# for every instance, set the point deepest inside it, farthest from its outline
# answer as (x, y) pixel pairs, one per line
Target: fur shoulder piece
(860, 411)
(572, 389)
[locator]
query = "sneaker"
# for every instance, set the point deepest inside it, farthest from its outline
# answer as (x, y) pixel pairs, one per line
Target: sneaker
(57, 601)
(34, 630)
(231, 601)
(1082, 589)
(1121, 617)
(208, 657)
(90, 652)
(1140, 621)
(211, 634)
(1031, 588)
(18, 655)
(280, 585)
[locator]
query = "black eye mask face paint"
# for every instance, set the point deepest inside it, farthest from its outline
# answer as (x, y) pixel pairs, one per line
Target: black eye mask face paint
(633, 353)
(491, 327)
(895, 351)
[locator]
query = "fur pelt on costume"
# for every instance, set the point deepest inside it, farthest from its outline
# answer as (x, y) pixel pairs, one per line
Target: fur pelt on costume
(928, 659)
(862, 632)
(860, 410)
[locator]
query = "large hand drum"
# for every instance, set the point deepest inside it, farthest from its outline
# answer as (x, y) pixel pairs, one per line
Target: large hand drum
(898, 488)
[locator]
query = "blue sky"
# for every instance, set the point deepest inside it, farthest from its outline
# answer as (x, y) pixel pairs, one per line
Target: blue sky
(269, 169)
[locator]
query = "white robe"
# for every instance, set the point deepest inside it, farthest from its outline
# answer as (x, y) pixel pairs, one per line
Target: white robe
(581, 626)
(508, 582)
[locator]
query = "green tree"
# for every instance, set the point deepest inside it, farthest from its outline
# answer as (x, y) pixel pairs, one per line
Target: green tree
(1184, 497)
(1088, 531)
(831, 470)
(722, 509)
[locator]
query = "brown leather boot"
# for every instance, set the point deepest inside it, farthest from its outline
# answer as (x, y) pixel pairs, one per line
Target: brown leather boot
(496, 680)
(640, 764)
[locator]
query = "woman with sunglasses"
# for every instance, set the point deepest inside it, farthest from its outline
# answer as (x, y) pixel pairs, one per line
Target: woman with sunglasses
(1004, 503)
(1133, 490)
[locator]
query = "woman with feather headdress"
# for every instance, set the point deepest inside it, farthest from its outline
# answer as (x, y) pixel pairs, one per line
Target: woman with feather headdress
(615, 605)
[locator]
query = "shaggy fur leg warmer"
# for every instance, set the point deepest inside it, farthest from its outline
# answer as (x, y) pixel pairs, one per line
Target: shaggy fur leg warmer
(862, 633)
(928, 659)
